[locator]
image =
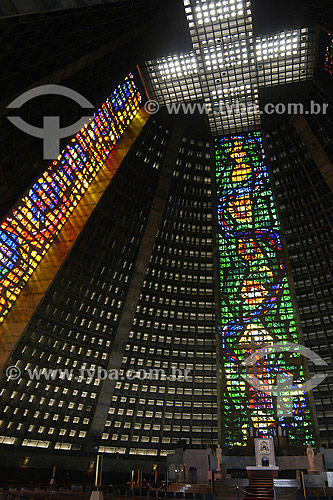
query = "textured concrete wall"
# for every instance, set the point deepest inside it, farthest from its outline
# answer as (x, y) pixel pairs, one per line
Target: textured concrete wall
(199, 460)
(238, 462)
(285, 463)
(45, 460)
(317, 152)
(299, 463)
(328, 457)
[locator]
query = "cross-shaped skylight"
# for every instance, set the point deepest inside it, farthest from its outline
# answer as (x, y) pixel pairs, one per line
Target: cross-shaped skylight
(227, 65)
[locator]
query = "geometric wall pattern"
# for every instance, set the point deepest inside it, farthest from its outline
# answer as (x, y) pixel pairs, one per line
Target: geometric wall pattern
(174, 324)
(29, 229)
(256, 307)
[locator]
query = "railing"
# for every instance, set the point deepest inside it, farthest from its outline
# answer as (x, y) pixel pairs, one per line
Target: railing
(42, 491)
(319, 494)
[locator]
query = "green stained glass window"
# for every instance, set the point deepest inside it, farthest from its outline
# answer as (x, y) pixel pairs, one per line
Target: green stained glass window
(256, 307)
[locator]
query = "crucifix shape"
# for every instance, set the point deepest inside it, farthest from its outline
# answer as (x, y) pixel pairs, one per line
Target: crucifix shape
(228, 66)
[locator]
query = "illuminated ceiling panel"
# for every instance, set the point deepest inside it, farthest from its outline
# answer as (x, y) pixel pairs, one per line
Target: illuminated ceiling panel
(176, 66)
(220, 33)
(174, 78)
(287, 57)
(281, 45)
(225, 56)
(228, 66)
(208, 12)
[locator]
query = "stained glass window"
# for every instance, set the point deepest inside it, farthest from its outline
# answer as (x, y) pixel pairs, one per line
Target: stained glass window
(256, 307)
(28, 231)
(329, 55)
